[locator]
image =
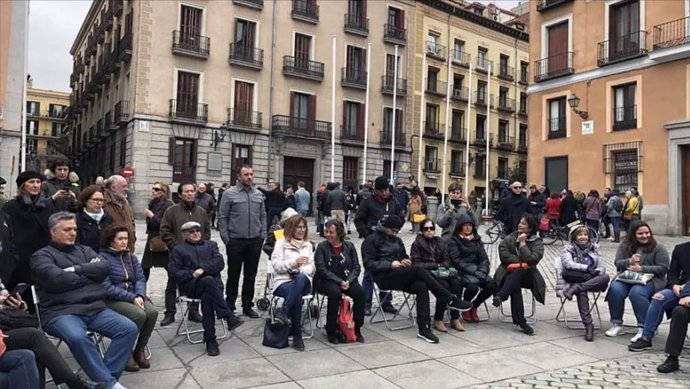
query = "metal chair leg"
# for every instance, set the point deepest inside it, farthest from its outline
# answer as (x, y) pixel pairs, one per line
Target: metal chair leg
(388, 321)
(530, 319)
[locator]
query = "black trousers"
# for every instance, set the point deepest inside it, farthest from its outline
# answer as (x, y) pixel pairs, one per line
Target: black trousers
(47, 355)
(242, 252)
(454, 286)
(210, 291)
(482, 290)
(334, 294)
(170, 294)
(679, 327)
(511, 286)
(417, 281)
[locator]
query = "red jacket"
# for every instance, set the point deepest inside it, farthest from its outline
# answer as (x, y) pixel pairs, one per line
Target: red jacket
(553, 208)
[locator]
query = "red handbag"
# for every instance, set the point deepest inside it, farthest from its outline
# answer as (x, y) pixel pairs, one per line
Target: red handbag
(346, 322)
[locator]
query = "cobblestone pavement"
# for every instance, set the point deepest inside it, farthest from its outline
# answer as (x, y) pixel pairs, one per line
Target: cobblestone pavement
(489, 354)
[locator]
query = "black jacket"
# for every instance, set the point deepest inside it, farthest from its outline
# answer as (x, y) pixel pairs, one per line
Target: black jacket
(158, 207)
(569, 210)
(8, 253)
(379, 250)
(371, 211)
(89, 231)
(336, 200)
(468, 255)
(186, 257)
(540, 200)
(679, 270)
(274, 198)
(512, 210)
(333, 269)
(428, 253)
(69, 293)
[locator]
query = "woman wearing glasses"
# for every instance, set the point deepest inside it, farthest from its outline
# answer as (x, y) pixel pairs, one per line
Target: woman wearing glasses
(156, 256)
(91, 219)
(428, 251)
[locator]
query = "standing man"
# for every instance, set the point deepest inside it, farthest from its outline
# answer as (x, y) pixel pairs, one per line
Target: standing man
(302, 199)
(537, 202)
(59, 187)
(513, 207)
(275, 202)
(118, 208)
(336, 203)
(242, 226)
(447, 215)
(171, 233)
(204, 199)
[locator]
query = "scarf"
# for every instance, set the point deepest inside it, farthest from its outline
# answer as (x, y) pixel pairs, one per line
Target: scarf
(581, 253)
(36, 203)
(95, 216)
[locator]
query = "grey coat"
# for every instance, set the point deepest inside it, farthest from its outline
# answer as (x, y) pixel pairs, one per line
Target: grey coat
(241, 214)
(656, 262)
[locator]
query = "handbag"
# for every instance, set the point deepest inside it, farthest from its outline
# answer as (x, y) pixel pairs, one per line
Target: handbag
(444, 273)
(157, 245)
(418, 217)
(573, 276)
(634, 278)
(276, 333)
(11, 319)
(544, 224)
(346, 323)
(517, 265)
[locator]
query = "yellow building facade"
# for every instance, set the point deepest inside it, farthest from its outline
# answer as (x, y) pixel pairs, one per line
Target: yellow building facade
(45, 126)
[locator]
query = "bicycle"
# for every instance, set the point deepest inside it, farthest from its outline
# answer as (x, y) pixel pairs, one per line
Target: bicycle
(494, 229)
(558, 232)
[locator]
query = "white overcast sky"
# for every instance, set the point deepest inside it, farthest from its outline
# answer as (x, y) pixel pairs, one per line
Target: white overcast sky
(53, 25)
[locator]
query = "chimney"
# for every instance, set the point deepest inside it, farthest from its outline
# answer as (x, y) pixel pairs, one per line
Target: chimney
(29, 81)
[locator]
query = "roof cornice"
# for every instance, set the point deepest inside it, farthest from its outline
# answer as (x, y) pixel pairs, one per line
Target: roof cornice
(90, 16)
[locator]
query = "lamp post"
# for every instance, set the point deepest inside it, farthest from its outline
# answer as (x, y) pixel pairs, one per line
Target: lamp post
(574, 102)
(218, 136)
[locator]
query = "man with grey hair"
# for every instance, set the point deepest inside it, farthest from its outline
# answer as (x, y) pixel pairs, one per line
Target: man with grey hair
(117, 206)
(68, 279)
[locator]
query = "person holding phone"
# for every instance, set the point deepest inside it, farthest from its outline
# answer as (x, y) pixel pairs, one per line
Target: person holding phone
(59, 188)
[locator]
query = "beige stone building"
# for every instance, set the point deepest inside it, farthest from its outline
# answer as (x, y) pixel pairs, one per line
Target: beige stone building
(193, 89)
(456, 48)
(609, 104)
(45, 126)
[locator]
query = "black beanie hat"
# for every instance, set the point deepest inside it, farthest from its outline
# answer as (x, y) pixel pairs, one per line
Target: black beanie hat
(26, 176)
(381, 183)
(393, 221)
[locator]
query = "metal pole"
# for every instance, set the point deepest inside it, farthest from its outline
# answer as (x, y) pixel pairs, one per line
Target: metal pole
(366, 115)
(395, 101)
(487, 134)
(445, 138)
(421, 126)
(467, 137)
(333, 113)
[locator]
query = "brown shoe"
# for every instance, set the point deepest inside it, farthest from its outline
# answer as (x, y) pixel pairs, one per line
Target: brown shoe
(457, 325)
(140, 358)
(440, 326)
(589, 333)
(132, 365)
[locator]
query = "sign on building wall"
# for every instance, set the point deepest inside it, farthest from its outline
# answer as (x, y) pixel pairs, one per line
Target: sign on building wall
(588, 127)
(215, 162)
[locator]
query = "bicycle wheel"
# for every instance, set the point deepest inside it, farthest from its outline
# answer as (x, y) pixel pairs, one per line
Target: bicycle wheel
(492, 233)
(593, 234)
(549, 236)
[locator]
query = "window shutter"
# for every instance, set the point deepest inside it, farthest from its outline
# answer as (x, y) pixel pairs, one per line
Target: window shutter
(345, 125)
(360, 120)
(192, 154)
(171, 150)
(311, 107)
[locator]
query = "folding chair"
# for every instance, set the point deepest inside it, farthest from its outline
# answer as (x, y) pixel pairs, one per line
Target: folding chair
(184, 303)
(270, 272)
(572, 322)
(531, 318)
(410, 319)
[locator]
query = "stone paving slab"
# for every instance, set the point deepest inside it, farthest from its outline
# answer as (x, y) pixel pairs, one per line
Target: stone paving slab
(426, 374)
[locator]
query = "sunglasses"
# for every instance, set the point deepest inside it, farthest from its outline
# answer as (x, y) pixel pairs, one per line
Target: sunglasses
(517, 187)
(156, 189)
(429, 229)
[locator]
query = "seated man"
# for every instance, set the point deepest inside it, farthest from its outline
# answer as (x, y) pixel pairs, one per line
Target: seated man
(677, 332)
(68, 279)
(385, 257)
(195, 265)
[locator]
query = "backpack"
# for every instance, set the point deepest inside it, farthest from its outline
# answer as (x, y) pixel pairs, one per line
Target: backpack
(618, 205)
(346, 323)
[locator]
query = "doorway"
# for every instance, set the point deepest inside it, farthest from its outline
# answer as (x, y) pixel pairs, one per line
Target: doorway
(684, 198)
(298, 169)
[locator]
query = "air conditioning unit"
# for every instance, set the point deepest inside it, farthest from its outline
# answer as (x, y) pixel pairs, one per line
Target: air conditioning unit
(457, 93)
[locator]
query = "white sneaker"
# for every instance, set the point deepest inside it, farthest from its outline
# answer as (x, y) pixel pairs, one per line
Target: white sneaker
(637, 336)
(615, 330)
(118, 386)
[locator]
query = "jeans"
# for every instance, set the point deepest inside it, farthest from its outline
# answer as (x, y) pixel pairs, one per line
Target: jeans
(368, 286)
(639, 297)
(145, 319)
(242, 252)
(210, 291)
(292, 292)
(594, 224)
(122, 332)
(512, 285)
(170, 294)
(616, 223)
(655, 312)
(677, 331)
(334, 294)
(21, 369)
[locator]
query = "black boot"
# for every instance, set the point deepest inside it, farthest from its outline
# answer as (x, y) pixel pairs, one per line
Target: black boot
(616, 237)
(84, 383)
(168, 319)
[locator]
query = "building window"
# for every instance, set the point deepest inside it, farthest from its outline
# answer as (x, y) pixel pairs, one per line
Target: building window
(522, 142)
(353, 119)
(432, 43)
(241, 155)
(123, 151)
(625, 168)
(456, 163)
(33, 108)
(502, 131)
(430, 159)
(558, 62)
(190, 28)
(557, 118)
(432, 79)
(182, 154)
(480, 124)
(302, 51)
(503, 65)
(432, 125)
(458, 118)
(243, 104)
(56, 130)
(523, 103)
(32, 145)
(481, 92)
(458, 50)
(502, 167)
(187, 105)
(503, 97)
(56, 110)
(482, 61)
(524, 66)
(303, 109)
(480, 166)
(396, 18)
(390, 66)
(387, 169)
(350, 170)
(625, 107)
(245, 37)
(31, 127)
(355, 66)
(458, 81)
(388, 123)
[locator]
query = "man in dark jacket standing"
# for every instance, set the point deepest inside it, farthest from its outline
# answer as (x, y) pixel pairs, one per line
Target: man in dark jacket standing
(371, 210)
(513, 207)
(336, 203)
(537, 202)
(275, 202)
(242, 227)
(195, 265)
(68, 280)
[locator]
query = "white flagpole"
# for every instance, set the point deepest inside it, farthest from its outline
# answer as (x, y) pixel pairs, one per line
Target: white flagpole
(421, 124)
(395, 101)
(467, 136)
(487, 133)
(366, 115)
(445, 138)
(333, 114)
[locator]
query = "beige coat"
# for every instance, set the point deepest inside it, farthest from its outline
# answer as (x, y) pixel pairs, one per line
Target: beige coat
(121, 214)
(414, 207)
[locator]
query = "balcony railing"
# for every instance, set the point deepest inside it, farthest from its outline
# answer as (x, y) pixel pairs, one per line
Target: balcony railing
(258, 4)
(435, 87)
(457, 133)
(353, 77)
(387, 137)
(481, 98)
(246, 56)
(624, 47)
(480, 139)
(459, 93)
(394, 34)
(461, 58)
(524, 77)
(433, 129)
(299, 67)
(305, 10)
(191, 45)
(387, 85)
(553, 66)
(557, 128)
(505, 142)
(625, 118)
(432, 165)
(522, 145)
(356, 24)
(124, 47)
(188, 111)
(506, 72)
(673, 33)
(457, 168)
(435, 50)
(483, 65)
(117, 6)
(547, 4)
(239, 118)
(108, 122)
(351, 132)
(121, 112)
(506, 104)
(296, 126)
(522, 110)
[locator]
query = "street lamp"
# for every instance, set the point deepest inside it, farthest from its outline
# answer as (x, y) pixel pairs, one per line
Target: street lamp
(219, 136)
(574, 101)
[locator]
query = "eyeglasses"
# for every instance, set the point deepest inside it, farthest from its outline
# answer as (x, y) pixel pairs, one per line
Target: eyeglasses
(97, 200)
(429, 229)
(156, 189)
(517, 187)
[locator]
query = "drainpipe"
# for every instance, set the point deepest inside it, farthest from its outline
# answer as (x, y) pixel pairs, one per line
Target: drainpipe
(516, 132)
(270, 93)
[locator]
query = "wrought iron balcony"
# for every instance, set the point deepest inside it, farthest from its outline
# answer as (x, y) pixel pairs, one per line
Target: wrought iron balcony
(553, 66)
(457, 168)
(480, 139)
(457, 133)
(432, 165)
(506, 104)
(394, 34)
(548, 4)
(524, 77)
(353, 77)
(257, 4)
(242, 119)
(435, 87)
(435, 50)
(506, 72)
(246, 56)
(483, 65)
(557, 128)
(505, 142)
(356, 24)
(433, 129)
(459, 93)
(351, 132)
(461, 58)
(305, 10)
(625, 118)
(117, 6)
(191, 45)
(387, 85)
(121, 112)
(523, 108)
(296, 126)
(622, 48)
(673, 33)
(387, 137)
(124, 47)
(188, 111)
(522, 145)
(304, 68)
(481, 99)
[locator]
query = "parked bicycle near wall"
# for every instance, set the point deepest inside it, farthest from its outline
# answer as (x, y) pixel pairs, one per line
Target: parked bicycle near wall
(493, 229)
(558, 232)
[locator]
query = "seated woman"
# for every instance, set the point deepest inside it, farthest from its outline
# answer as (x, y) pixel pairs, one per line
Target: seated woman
(429, 252)
(639, 254)
(666, 300)
(520, 253)
(582, 272)
(91, 219)
(293, 263)
(466, 253)
(337, 269)
(125, 290)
